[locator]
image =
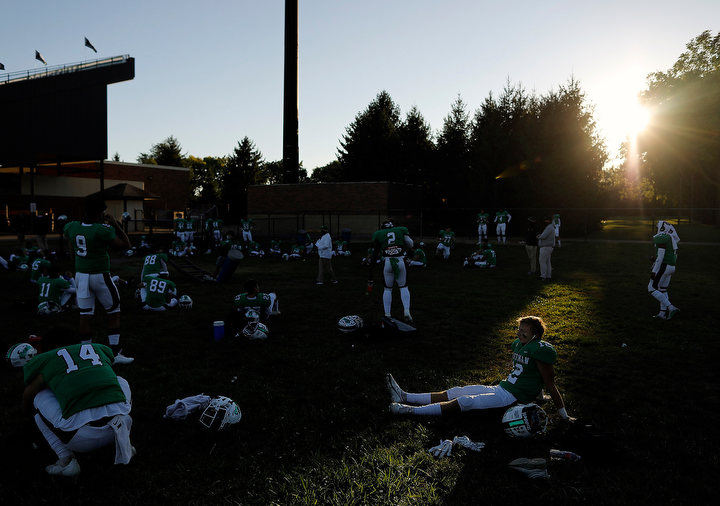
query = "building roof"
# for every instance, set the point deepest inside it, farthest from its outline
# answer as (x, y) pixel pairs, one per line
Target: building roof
(124, 191)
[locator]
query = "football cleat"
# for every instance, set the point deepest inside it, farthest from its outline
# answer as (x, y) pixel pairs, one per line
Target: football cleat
(407, 318)
(396, 393)
(532, 468)
(221, 412)
(662, 315)
(185, 302)
(524, 420)
(121, 359)
(672, 313)
(70, 468)
(20, 354)
(400, 409)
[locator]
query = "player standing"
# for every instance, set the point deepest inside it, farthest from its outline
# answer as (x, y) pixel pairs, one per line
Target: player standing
(446, 241)
(502, 218)
(247, 225)
(482, 221)
(392, 242)
(91, 240)
(556, 225)
(665, 242)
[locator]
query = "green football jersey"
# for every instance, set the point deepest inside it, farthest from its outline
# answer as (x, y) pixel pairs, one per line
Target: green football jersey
(217, 224)
(391, 241)
(556, 219)
(482, 218)
(664, 241)
(260, 302)
(80, 376)
(16, 261)
(154, 264)
(37, 267)
(525, 381)
(275, 244)
(420, 256)
(489, 256)
(190, 224)
(447, 237)
(297, 250)
(159, 291)
(90, 243)
(179, 224)
(51, 289)
(502, 216)
(246, 224)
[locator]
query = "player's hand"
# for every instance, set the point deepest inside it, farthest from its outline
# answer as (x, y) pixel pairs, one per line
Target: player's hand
(465, 442)
(444, 449)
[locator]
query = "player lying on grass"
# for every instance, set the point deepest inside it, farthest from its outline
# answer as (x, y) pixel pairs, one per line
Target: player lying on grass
(56, 292)
(76, 400)
(275, 248)
(532, 371)
(255, 250)
(484, 257)
(419, 258)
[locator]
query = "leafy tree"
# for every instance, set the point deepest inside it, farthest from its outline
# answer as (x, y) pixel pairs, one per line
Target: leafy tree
(681, 146)
(329, 173)
(205, 175)
(167, 152)
(116, 157)
(369, 149)
(244, 167)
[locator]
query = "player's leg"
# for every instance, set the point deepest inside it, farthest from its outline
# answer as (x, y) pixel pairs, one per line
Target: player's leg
(659, 295)
(389, 278)
(47, 416)
(401, 279)
(274, 305)
(480, 236)
(107, 294)
(86, 306)
(557, 235)
(663, 286)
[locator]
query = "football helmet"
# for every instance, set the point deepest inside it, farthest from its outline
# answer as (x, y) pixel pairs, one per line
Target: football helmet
(251, 315)
(255, 330)
(421, 244)
(20, 354)
(23, 267)
(185, 302)
(524, 420)
(351, 323)
(46, 308)
(285, 256)
(129, 252)
(387, 223)
(221, 412)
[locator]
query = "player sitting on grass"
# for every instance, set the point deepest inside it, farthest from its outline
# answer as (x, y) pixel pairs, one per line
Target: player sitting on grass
(56, 292)
(79, 404)
(255, 250)
(17, 259)
(265, 304)
(39, 267)
(275, 248)
(484, 257)
(532, 371)
(159, 294)
(446, 241)
(296, 253)
(341, 249)
(419, 259)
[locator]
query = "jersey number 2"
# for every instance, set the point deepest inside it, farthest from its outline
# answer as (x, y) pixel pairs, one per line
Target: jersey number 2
(87, 352)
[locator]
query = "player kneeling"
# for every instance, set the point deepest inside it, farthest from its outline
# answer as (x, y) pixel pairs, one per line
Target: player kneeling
(79, 403)
(483, 257)
(341, 249)
(160, 294)
(56, 292)
(419, 258)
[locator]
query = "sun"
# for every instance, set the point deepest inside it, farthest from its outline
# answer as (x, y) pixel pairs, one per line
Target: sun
(636, 118)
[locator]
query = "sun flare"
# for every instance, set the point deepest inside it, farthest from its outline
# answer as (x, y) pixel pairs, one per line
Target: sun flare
(636, 119)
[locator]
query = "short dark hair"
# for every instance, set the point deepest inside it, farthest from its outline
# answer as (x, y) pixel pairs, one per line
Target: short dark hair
(536, 324)
(251, 285)
(93, 208)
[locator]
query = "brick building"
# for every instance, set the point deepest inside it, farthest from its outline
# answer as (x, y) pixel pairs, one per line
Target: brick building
(61, 188)
(280, 210)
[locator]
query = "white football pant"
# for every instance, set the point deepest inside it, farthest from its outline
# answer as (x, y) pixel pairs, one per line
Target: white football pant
(98, 286)
(445, 250)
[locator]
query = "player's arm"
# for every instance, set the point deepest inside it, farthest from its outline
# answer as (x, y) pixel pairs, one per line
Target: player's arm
(31, 390)
(547, 371)
(121, 240)
(658, 261)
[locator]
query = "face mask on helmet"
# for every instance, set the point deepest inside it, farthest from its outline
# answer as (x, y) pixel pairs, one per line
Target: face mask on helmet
(661, 226)
(20, 354)
(387, 224)
(351, 323)
(221, 412)
(255, 330)
(524, 420)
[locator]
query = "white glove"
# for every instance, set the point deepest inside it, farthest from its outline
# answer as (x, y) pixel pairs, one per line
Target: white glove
(444, 449)
(470, 445)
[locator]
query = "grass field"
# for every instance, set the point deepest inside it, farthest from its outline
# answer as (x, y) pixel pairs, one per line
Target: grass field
(638, 229)
(315, 427)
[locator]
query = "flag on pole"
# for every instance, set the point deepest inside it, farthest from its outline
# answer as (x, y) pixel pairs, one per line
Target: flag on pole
(2, 67)
(38, 56)
(89, 44)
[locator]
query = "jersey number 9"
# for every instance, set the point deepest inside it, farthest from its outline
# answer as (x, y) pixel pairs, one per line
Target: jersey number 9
(80, 245)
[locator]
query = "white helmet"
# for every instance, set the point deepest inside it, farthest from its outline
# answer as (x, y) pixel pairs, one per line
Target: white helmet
(256, 330)
(524, 420)
(220, 412)
(285, 256)
(129, 252)
(46, 308)
(662, 226)
(23, 267)
(20, 354)
(251, 315)
(185, 302)
(350, 323)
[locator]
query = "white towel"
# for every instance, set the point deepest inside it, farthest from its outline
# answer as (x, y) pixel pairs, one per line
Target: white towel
(121, 425)
(181, 408)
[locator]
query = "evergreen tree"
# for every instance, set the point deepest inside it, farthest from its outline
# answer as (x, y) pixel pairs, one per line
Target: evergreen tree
(243, 169)
(453, 155)
(167, 152)
(416, 151)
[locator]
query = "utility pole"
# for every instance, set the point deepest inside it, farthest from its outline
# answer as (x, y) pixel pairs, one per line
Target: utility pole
(291, 156)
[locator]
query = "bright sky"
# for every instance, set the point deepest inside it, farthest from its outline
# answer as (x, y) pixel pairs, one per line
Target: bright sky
(211, 72)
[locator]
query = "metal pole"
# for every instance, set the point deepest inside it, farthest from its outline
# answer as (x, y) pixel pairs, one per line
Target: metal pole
(291, 157)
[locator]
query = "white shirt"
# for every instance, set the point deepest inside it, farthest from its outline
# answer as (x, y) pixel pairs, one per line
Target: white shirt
(324, 246)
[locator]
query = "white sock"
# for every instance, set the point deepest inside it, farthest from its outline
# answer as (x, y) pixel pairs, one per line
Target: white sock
(428, 410)
(405, 297)
(114, 339)
(387, 299)
(417, 398)
(662, 298)
(62, 451)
